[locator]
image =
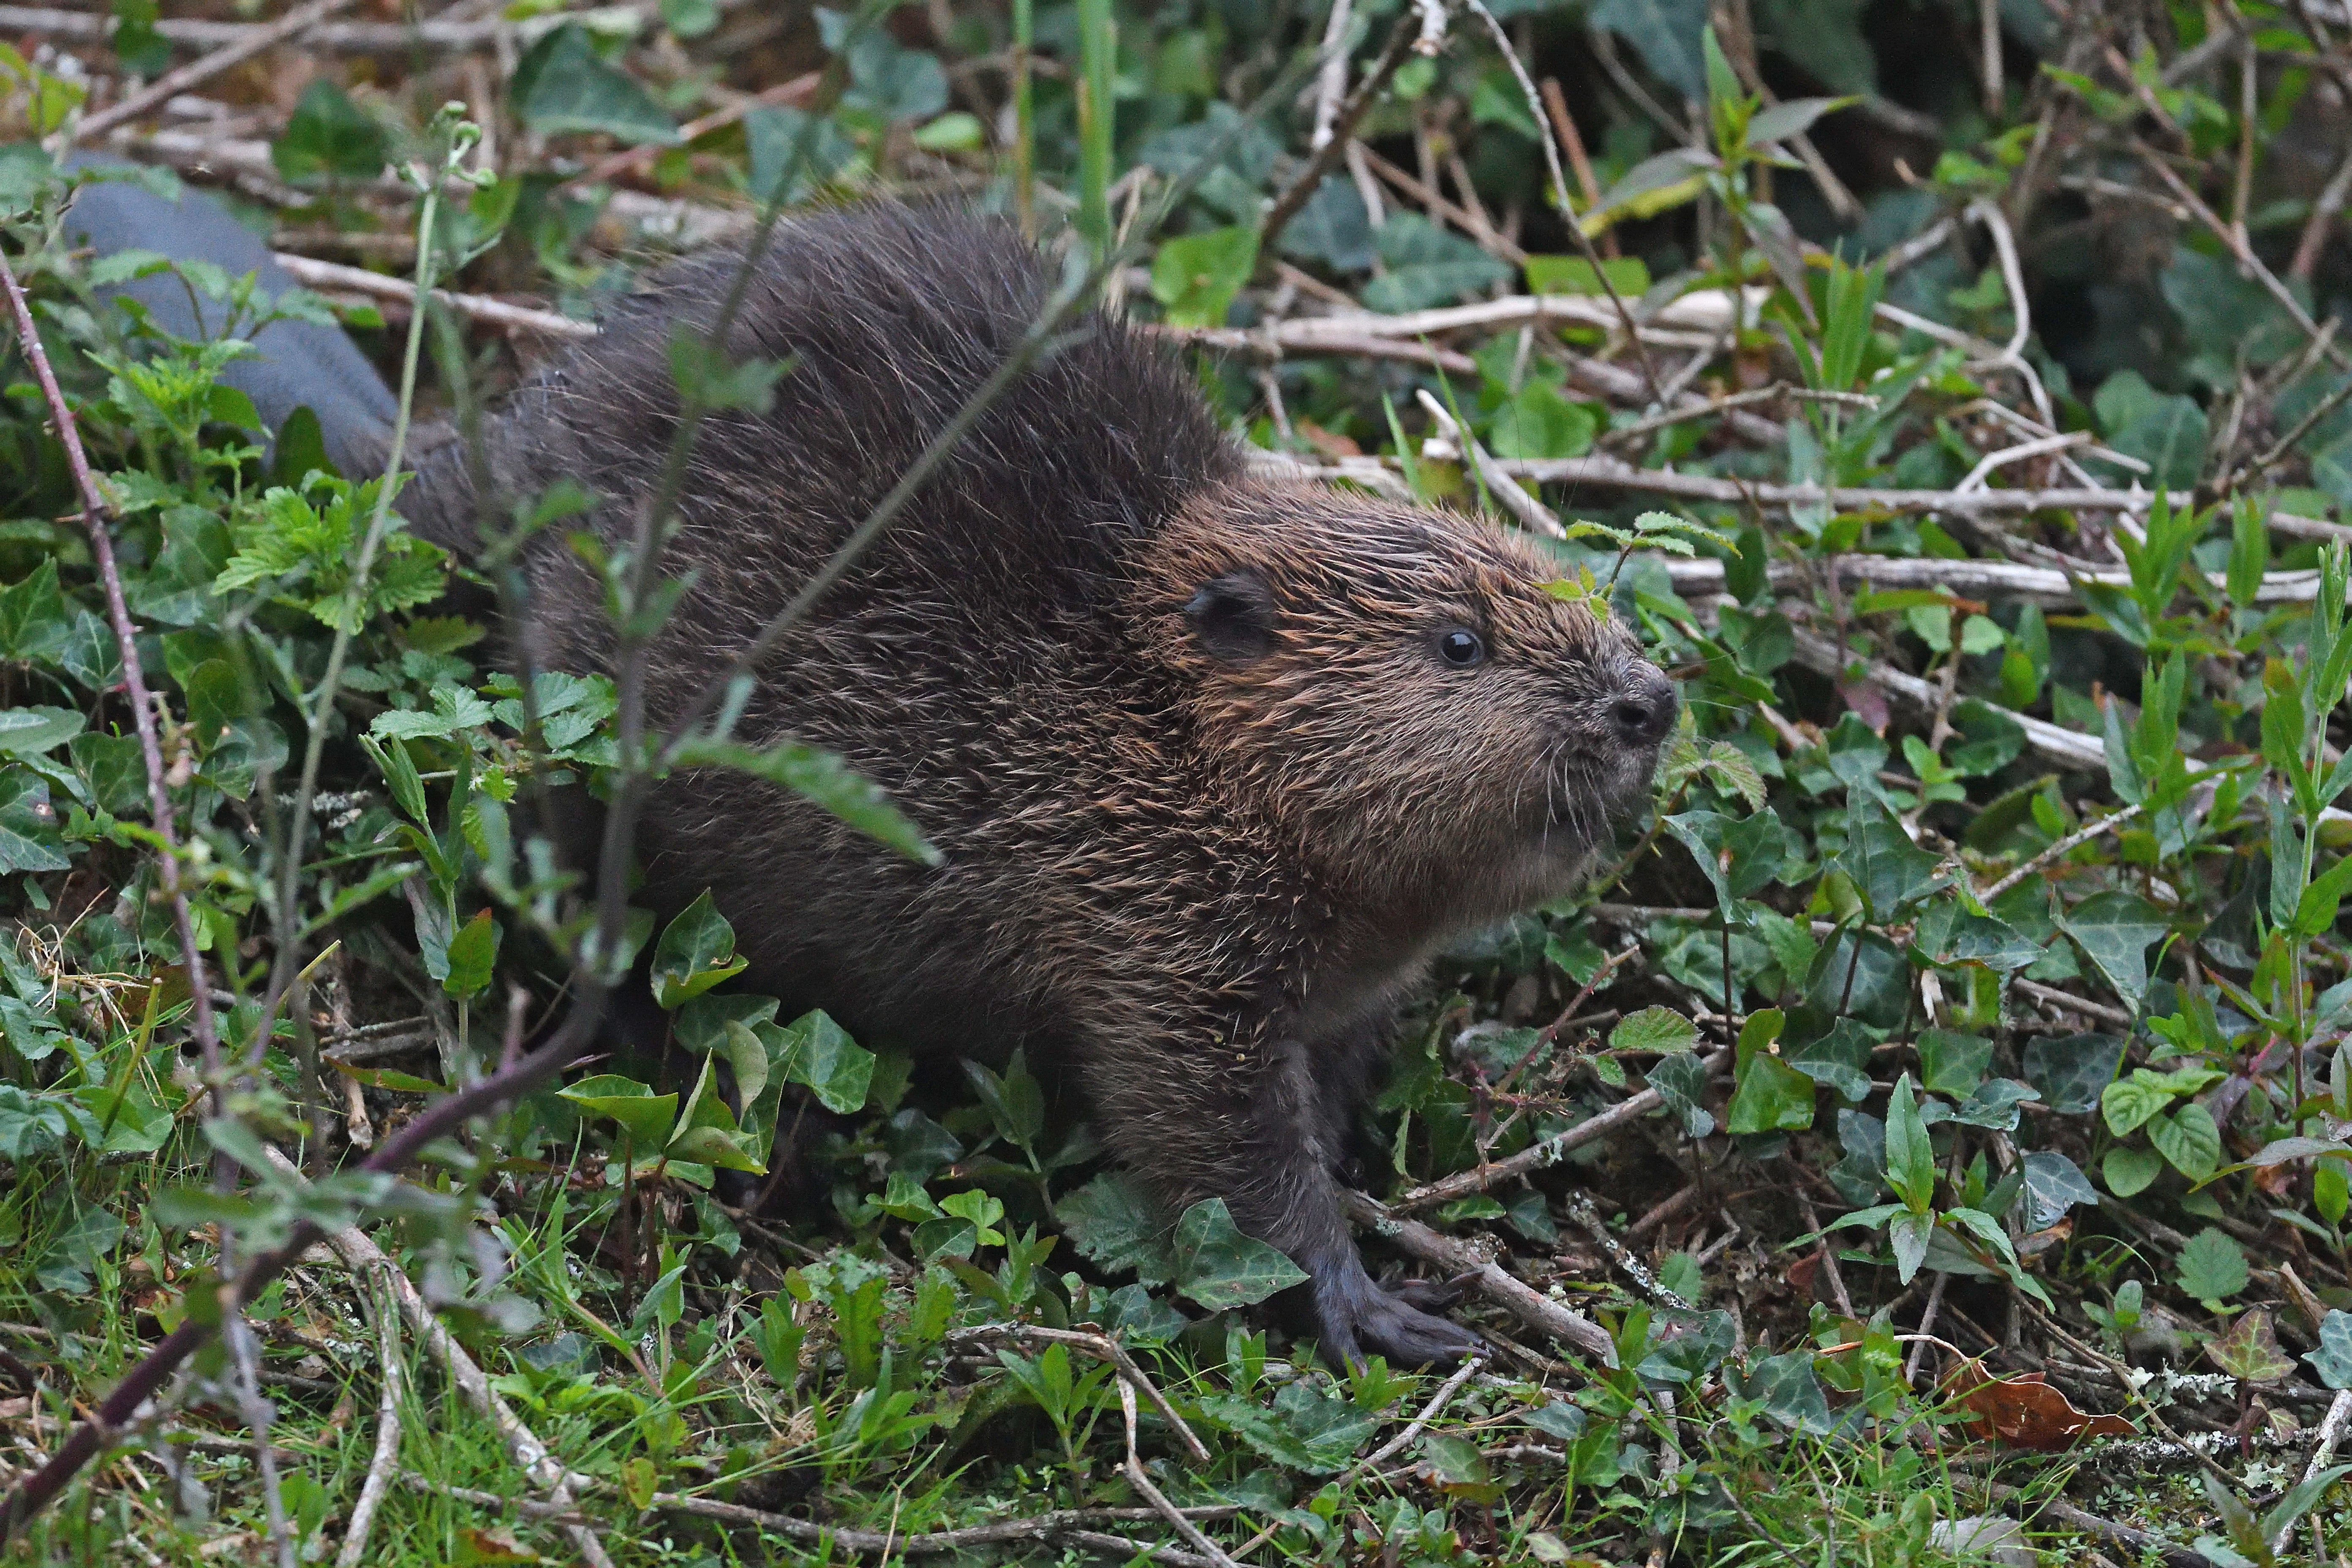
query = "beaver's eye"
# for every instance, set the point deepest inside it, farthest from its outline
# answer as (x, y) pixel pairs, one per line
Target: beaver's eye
(1462, 648)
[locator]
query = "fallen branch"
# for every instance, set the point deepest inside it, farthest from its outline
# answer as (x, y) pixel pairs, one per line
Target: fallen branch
(2057, 851)
(1543, 1152)
(364, 1258)
(387, 1428)
(312, 273)
(1457, 1257)
(172, 83)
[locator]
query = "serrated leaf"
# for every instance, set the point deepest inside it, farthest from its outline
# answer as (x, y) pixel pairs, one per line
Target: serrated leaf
(1113, 1224)
(1659, 1029)
(2213, 1266)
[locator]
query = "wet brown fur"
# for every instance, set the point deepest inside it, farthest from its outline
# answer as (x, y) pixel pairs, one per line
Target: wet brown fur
(1207, 794)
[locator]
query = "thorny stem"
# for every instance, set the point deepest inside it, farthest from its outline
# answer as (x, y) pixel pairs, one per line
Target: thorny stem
(94, 510)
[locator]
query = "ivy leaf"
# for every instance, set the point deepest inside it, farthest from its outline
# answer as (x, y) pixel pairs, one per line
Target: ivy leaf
(2114, 929)
(2333, 1360)
(29, 731)
(2071, 1070)
(329, 136)
(1304, 1429)
(2053, 1185)
(697, 951)
(1769, 1097)
(2250, 1350)
(1220, 1267)
(644, 1116)
(1951, 1063)
(823, 1057)
(1426, 267)
(562, 84)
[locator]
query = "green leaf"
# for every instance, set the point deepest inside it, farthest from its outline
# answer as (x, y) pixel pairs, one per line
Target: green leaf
(1304, 1429)
(562, 84)
(1575, 275)
(1769, 1096)
(697, 951)
(1910, 1158)
(2212, 1267)
(2071, 1070)
(1220, 1267)
(1541, 424)
(2053, 1185)
(1887, 869)
(1426, 266)
(827, 1061)
(1952, 1064)
(29, 731)
(2131, 1103)
(2250, 1350)
(2188, 1138)
(645, 1117)
(1666, 34)
(473, 954)
(823, 778)
(2333, 1360)
(2130, 1171)
(33, 619)
(1910, 1231)
(29, 825)
(329, 137)
(2114, 929)
(1196, 276)
(1659, 1029)
(1791, 117)
(1113, 1224)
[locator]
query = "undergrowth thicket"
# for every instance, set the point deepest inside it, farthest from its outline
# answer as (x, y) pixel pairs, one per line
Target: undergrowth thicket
(1976, 980)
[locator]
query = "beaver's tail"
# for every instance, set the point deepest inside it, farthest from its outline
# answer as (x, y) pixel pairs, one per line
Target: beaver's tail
(295, 364)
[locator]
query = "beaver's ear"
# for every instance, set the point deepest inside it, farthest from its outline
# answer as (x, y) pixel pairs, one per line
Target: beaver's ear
(1232, 615)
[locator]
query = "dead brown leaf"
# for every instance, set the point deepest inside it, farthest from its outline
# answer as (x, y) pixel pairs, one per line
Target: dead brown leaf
(2025, 1412)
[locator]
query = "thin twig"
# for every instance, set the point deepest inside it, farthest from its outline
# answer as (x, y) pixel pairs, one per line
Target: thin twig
(387, 1426)
(1141, 1481)
(1417, 1425)
(1103, 1347)
(1550, 147)
(94, 514)
(1535, 1156)
(2245, 253)
(2058, 851)
(1513, 498)
(312, 273)
(2331, 1432)
(1588, 1219)
(245, 1373)
(172, 83)
(532, 1456)
(1286, 205)
(1459, 1260)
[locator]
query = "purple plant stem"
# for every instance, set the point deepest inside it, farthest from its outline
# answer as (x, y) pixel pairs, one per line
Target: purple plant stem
(142, 708)
(142, 1381)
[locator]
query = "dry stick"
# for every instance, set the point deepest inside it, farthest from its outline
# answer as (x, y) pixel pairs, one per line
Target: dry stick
(637, 160)
(1271, 346)
(1417, 1425)
(1343, 128)
(1441, 205)
(438, 1120)
(134, 680)
(1331, 82)
(1927, 1323)
(1659, 1214)
(312, 273)
(2324, 212)
(2239, 249)
(387, 1427)
(1525, 1302)
(1581, 1210)
(171, 84)
(364, 1258)
(1142, 1482)
(245, 1378)
(1530, 513)
(2303, 427)
(2331, 1430)
(1537, 1155)
(1563, 125)
(2081, 835)
(1550, 145)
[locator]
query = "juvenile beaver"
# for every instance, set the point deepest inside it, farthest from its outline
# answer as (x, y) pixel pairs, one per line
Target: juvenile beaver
(1215, 764)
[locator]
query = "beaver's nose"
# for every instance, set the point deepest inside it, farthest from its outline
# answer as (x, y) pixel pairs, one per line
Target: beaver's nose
(1644, 707)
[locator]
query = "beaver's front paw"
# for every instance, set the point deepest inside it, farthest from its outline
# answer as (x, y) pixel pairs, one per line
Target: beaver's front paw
(1358, 1317)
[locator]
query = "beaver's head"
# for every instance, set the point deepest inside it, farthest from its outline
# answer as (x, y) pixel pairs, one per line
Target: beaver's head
(1404, 686)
